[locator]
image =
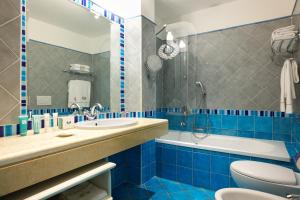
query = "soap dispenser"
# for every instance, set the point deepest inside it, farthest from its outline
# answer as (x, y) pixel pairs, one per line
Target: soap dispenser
(36, 123)
(23, 125)
(46, 122)
(55, 120)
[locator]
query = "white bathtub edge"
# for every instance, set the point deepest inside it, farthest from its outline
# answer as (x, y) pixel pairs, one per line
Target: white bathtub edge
(223, 150)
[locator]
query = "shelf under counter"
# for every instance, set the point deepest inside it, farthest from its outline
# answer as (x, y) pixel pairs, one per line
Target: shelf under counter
(59, 184)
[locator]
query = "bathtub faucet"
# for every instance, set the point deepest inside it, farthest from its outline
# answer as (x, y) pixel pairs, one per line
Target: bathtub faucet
(293, 196)
(182, 124)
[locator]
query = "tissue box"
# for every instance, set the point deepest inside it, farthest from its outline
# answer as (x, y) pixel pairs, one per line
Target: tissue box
(66, 122)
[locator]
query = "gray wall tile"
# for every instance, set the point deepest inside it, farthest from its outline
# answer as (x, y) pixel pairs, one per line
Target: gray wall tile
(133, 64)
(101, 85)
(149, 48)
(9, 33)
(235, 66)
(9, 62)
(8, 11)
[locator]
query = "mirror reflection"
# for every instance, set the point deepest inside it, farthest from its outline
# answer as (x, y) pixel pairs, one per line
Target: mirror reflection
(68, 57)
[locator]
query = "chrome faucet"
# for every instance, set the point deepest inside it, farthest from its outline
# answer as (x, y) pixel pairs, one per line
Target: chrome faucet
(76, 106)
(93, 110)
(293, 196)
(93, 114)
(202, 87)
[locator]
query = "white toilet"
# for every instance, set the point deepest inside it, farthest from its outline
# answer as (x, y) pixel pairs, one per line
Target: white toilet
(265, 177)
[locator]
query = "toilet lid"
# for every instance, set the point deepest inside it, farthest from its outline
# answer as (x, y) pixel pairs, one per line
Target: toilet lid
(265, 172)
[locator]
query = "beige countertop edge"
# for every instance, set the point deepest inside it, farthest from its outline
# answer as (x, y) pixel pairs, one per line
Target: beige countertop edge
(13, 155)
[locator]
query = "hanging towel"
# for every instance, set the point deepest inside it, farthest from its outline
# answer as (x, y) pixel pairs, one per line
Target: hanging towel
(79, 92)
(289, 76)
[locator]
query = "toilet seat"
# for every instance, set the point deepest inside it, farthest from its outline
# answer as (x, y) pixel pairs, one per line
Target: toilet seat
(265, 172)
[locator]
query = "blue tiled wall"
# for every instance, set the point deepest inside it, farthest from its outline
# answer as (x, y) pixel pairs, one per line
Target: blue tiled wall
(201, 168)
(148, 157)
(128, 167)
(252, 124)
(119, 173)
(136, 165)
(296, 133)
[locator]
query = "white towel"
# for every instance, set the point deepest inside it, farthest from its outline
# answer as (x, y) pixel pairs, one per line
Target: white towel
(284, 31)
(79, 92)
(84, 191)
(286, 28)
(283, 39)
(289, 76)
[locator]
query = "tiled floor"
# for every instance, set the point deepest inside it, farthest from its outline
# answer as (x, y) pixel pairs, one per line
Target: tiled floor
(161, 189)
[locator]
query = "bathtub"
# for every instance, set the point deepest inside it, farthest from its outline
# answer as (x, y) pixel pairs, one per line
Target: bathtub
(267, 149)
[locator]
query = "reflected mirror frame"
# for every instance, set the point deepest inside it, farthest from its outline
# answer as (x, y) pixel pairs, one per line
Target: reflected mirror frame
(92, 7)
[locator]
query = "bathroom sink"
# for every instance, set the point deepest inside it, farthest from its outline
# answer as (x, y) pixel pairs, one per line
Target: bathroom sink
(106, 123)
(244, 194)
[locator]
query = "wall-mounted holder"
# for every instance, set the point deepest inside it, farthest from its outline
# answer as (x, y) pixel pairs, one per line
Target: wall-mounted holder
(79, 70)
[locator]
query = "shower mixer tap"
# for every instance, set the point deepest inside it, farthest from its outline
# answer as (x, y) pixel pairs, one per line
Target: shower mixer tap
(201, 85)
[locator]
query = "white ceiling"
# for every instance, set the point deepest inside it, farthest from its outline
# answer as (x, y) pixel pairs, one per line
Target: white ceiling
(66, 14)
(168, 9)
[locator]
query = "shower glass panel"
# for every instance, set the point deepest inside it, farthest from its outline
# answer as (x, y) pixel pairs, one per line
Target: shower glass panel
(179, 79)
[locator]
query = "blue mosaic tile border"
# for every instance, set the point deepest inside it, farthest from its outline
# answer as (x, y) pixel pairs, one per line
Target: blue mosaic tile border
(268, 125)
(11, 130)
(23, 65)
(8, 130)
(98, 10)
(60, 111)
(122, 68)
(259, 113)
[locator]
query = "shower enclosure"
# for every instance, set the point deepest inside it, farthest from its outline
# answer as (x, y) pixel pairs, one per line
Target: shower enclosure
(179, 85)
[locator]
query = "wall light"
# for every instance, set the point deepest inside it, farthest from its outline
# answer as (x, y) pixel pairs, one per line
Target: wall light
(170, 36)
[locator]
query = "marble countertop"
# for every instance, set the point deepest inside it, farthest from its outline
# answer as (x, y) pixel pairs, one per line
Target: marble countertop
(16, 148)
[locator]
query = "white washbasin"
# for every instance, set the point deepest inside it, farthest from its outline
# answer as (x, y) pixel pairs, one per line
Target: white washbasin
(106, 123)
(244, 194)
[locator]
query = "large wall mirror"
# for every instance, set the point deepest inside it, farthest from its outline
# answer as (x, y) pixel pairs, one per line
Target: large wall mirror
(69, 57)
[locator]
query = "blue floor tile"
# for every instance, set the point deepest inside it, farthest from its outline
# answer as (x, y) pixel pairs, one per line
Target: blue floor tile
(161, 189)
(199, 195)
(164, 196)
(152, 182)
(210, 193)
(180, 196)
(170, 186)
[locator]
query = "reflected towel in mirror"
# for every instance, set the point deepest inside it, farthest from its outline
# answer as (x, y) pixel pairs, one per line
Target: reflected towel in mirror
(79, 92)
